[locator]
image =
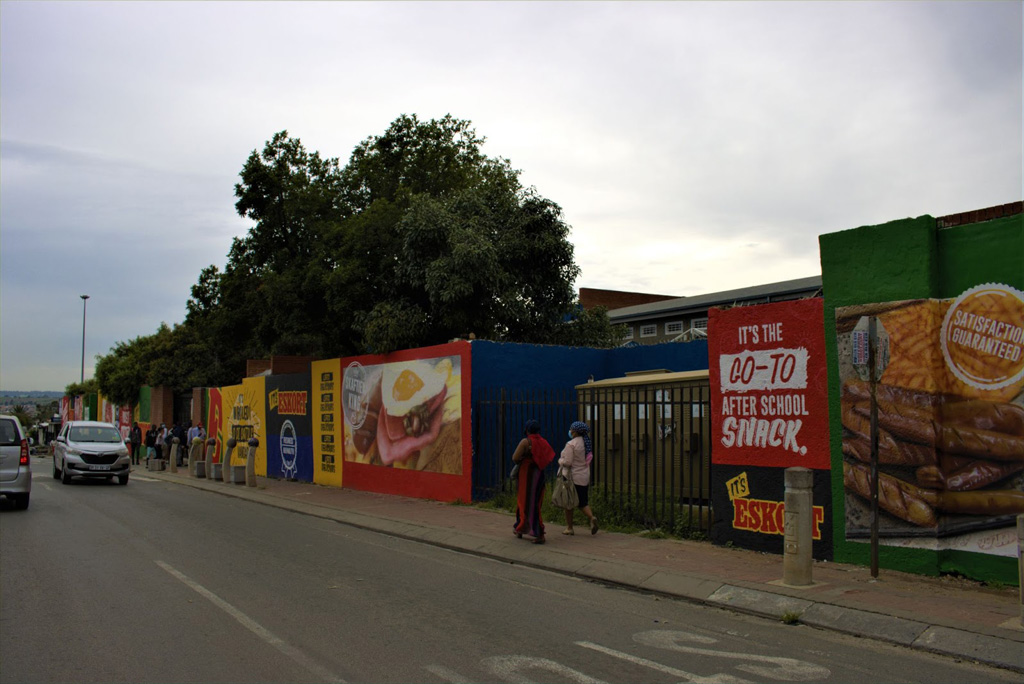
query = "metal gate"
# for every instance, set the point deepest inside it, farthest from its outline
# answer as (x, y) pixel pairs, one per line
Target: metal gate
(652, 461)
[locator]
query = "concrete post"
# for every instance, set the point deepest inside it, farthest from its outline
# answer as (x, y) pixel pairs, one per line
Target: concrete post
(799, 519)
(174, 454)
(250, 463)
(225, 468)
(193, 455)
(211, 449)
(1020, 564)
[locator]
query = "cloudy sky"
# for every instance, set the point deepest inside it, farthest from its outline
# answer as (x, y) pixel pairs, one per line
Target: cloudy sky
(694, 146)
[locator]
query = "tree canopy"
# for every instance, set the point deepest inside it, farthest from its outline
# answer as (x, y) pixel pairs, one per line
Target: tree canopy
(418, 239)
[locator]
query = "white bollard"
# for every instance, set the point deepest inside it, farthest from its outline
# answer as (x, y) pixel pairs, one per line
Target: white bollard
(250, 463)
(225, 469)
(211, 449)
(799, 519)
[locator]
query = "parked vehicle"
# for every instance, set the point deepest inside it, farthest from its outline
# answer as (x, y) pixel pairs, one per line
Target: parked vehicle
(87, 448)
(15, 469)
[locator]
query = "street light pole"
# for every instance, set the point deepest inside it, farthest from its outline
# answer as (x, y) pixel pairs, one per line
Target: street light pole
(84, 298)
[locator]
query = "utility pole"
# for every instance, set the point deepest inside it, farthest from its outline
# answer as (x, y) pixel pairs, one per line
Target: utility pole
(84, 298)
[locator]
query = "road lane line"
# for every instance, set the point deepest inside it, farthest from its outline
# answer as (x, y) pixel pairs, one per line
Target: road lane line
(447, 675)
(720, 678)
(254, 627)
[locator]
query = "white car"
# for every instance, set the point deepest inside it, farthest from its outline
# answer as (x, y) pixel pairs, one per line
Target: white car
(15, 469)
(86, 448)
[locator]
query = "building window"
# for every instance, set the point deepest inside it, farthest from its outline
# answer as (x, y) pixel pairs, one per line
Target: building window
(629, 333)
(674, 328)
(649, 330)
(700, 323)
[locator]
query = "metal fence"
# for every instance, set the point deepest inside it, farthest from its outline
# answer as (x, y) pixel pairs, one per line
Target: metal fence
(652, 450)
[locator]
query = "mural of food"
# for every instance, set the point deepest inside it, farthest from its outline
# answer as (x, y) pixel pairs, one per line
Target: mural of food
(950, 406)
(405, 414)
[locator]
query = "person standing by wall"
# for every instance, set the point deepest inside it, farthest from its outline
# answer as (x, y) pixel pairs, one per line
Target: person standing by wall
(151, 442)
(532, 455)
(135, 439)
(575, 464)
(162, 447)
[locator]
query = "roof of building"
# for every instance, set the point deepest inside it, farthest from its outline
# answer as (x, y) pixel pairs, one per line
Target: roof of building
(617, 299)
(703, 302)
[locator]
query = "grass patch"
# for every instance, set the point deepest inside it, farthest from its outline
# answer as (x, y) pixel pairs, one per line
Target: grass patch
(614, 514)
(790, 617)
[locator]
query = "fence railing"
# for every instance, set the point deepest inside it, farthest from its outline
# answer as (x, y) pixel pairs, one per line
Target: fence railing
(652, 447)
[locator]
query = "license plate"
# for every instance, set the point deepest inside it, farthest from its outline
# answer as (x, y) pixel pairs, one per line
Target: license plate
(99, 467)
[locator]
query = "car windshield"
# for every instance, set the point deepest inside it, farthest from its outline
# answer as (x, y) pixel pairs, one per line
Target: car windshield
(100, 434)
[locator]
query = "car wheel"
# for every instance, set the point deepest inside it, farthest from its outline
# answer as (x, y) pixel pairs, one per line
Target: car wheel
(122, 479)
(21, 501)
(65, 477)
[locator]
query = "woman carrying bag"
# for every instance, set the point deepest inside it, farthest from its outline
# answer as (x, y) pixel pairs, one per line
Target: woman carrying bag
(574, 463)
(532, 456)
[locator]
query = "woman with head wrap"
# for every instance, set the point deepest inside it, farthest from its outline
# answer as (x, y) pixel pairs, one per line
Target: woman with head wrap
(532, 455)
(575, 464)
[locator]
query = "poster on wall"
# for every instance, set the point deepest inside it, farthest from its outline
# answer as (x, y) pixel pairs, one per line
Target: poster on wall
(950, 404)
(254, 390)
(325, 383)
(124, 421)
(214, 421)
(403, 425)
(238, 422)
(289, 427)
(769, 408)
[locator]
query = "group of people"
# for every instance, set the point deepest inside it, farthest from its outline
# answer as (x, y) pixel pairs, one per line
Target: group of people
(532, 455)
(158, 440)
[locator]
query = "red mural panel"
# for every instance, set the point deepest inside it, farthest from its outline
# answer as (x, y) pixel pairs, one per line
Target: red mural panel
(406, 422)
(769, 385)
(214, 421)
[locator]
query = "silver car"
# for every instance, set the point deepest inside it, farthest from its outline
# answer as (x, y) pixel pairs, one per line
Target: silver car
(15, 469)
(87, 448)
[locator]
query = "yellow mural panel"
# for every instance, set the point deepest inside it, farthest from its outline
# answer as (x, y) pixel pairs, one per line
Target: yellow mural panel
(232, 398)
(255, 392)
(327, 411)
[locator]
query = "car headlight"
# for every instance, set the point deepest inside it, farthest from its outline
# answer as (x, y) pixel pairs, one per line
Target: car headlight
(71, 451)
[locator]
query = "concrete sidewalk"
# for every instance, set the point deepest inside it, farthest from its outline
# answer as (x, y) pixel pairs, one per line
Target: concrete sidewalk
(943, 615)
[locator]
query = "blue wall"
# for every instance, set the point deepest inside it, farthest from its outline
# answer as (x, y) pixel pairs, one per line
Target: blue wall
(522, 368)
(535, 366)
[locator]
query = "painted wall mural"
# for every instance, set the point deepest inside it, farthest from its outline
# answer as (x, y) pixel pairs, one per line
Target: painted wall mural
(769, 408)
(326, 422)
(215, 421)
(404, 413)
(289, 427)
(950, 417)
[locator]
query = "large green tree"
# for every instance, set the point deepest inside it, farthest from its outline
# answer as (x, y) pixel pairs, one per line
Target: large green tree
(418, 239)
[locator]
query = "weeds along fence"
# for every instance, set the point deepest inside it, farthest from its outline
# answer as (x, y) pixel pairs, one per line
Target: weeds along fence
(652, 447)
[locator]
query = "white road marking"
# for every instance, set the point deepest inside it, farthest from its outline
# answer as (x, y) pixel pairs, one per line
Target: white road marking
(776, 667)
(720, 678)
(254, 627)
(510, 668)
(140, 478)
(445, 674)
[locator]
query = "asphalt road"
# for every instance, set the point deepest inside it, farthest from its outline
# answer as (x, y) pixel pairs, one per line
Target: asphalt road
(155, 582)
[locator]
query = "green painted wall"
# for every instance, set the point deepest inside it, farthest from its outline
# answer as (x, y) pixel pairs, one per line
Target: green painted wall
(908, 259)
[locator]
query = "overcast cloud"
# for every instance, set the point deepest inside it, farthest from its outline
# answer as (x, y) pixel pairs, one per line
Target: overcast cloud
(694, 146)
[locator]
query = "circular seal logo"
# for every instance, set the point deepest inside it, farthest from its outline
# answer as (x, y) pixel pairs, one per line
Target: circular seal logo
(289, 448)
(983, 336)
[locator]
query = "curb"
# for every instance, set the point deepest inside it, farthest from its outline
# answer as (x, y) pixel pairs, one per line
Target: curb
(994, 650)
